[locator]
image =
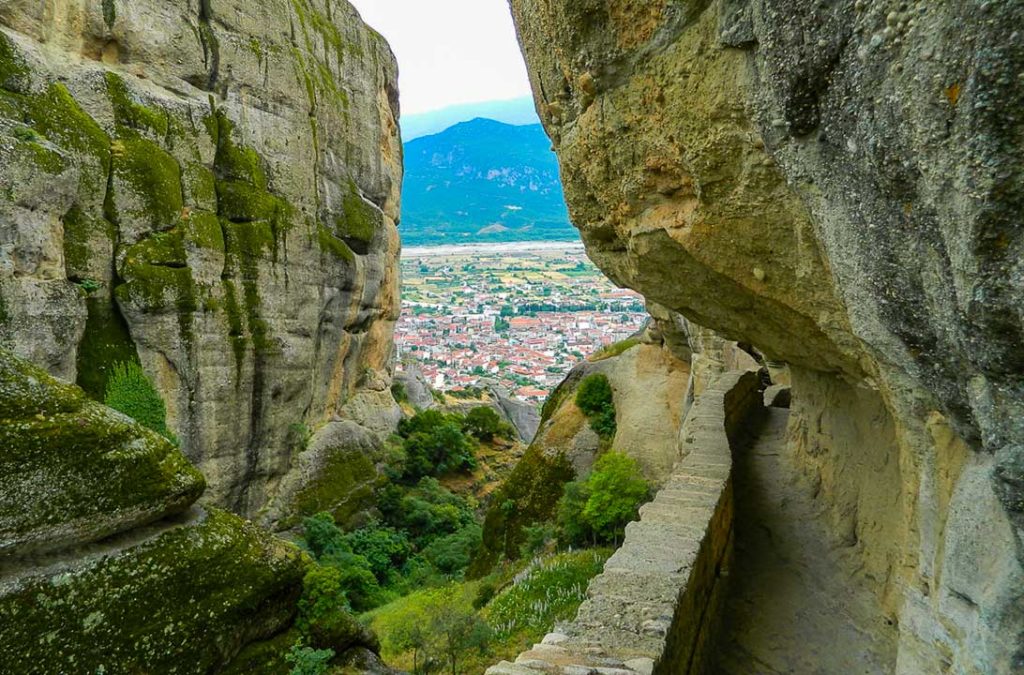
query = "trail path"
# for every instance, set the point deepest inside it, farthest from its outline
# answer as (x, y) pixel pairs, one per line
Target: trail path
(795, 603)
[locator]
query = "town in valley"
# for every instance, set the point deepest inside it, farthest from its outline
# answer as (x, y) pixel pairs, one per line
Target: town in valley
(517, 314)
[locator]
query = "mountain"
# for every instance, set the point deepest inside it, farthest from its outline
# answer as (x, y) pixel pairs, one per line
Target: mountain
(516, 111)
(483, 180)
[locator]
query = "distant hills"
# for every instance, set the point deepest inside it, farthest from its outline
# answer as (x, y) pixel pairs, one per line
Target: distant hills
(517, 111)
(483, 181)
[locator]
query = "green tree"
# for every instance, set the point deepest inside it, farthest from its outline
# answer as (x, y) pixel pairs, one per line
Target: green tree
(598, 509)
(484, 423)
(616, 490)
(457, 629)
(440, 449)
(129, 391)
(594, 398)
(411, 633)
(322, 594)
(384, 548)
(573, 529)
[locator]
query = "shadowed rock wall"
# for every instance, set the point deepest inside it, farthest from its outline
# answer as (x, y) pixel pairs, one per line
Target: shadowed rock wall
(209, 188)
(839, 185)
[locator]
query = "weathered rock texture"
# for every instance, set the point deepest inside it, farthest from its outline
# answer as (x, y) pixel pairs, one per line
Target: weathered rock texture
(655, 606)
(210, 188)
(649, 385)
(105, 565)
(838, 184)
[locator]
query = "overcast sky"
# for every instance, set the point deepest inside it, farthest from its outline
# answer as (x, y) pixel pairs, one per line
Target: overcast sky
(450, 51)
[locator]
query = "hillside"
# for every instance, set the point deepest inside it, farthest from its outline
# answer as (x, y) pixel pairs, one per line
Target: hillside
(483, 180)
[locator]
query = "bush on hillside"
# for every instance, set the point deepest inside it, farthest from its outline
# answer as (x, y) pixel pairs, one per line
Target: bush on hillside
(594, 398)
(434, 445)
(598, 509)
(452, 553)
(485, 423)
(129, 391)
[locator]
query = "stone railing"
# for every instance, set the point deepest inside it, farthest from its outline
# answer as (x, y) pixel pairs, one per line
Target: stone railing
(655, 606)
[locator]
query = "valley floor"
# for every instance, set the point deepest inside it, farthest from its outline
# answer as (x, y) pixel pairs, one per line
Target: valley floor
(796, 604)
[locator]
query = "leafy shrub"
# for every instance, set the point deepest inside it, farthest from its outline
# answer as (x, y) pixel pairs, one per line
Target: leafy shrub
(435, 444)
(129, 391)
(433, 626)
(599, 508)
(353, 573)
(322, 536)
(451, 554)
(308, 661)
(484, 594)
(426, 511)
(573, 529)
(536, 538)
(485, 423)
(399, 392)
(385, 548)
(617, 489)
(594, 398)
(322, 594)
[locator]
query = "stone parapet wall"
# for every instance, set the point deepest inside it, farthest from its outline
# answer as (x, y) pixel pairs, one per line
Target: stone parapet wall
(654, 607)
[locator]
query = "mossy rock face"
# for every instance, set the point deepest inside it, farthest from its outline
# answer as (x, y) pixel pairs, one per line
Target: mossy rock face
(13, 70)
(185, 601)
(106, 341)
(146, 193)
(73, 471)
(342, 485)
(529, 495)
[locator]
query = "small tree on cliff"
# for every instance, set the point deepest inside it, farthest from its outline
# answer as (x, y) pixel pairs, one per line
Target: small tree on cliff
(594, 398)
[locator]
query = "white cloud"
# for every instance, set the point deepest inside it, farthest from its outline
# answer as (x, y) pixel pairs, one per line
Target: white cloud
(450, 51)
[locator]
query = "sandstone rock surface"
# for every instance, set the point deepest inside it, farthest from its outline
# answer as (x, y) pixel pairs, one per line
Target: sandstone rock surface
(104, 563)
(839, 186)
(211, 189)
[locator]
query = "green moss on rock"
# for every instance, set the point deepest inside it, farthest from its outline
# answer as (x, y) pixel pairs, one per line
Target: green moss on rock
(73, 471)
(131, 115)
(185, 601)
(529, 495)
(106, 341)
(57, 116)
(234, 161)
(147, 184)
(342, 486)
(241, 202)
(202, 230)
(14, 71)
(361, 221)
(81, 232)
(331, 244)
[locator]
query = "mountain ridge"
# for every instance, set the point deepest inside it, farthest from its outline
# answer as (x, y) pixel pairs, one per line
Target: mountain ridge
(483, 180)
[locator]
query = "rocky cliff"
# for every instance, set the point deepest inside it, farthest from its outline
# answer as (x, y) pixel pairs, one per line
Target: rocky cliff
(839, 185)
(653, 377)
(209, 189)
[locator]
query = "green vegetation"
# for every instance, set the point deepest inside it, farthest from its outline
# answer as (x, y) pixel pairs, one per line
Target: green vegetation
(434, 444)
(470, 625)
(484, 423)
(598, 509)
(131, 392)
(308, 661)
(529, 495)
(549, 590)
(616, 349)
(594, 398)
